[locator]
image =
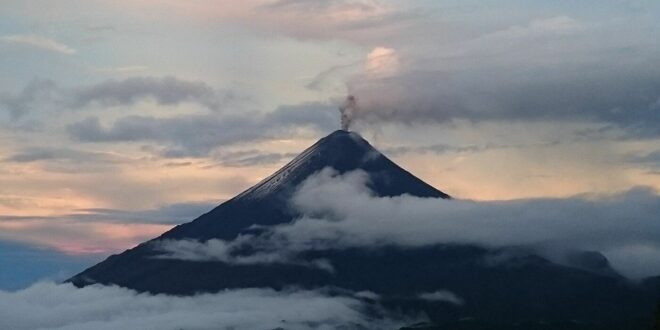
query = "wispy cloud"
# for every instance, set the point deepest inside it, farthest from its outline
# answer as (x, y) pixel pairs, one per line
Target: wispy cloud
(252, 158)
(442, 295)
(35, 154)
(75, 232)
(39, 42)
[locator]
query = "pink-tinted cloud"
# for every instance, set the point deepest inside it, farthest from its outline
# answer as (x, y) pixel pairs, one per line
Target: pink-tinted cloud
(355, 20)
(77, 237)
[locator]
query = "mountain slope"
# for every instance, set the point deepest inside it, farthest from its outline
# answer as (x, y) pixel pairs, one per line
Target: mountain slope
(523, 287)
(266, 203)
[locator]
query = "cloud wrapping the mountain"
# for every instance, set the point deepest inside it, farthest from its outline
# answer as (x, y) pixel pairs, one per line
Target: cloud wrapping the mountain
(339, 211)
(64, 307)
(229, 252)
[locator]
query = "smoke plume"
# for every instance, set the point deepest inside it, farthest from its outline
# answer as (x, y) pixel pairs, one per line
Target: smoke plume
(347, 111)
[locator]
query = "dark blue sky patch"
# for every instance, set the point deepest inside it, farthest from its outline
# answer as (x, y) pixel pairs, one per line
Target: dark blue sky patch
(23, 265)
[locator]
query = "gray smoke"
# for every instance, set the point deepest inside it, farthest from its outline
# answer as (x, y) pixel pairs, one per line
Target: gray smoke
(348, 110)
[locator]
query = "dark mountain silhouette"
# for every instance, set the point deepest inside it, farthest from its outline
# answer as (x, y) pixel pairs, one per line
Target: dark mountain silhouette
(520, 288)
(266, 203)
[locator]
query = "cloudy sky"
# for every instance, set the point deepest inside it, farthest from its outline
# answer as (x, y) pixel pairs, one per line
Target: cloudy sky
(121, 118)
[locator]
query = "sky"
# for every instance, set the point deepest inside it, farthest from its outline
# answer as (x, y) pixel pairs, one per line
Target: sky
(120, 119)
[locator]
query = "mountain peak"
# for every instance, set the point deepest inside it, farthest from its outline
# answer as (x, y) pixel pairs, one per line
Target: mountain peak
(343, 151)
(267, 202)
(344, 139)
(340, 133)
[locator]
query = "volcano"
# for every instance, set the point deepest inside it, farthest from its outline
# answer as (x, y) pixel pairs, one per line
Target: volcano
(524, 287)
(267, 202)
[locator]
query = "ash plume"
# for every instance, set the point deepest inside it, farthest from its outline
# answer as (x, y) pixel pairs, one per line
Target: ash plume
(348, 110)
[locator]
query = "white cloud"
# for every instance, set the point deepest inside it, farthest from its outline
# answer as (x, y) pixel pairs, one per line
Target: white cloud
(341, 212)
(64, 307)
(39, 42)
(352, 216)
(442, 295)
(228, 252)
(382, 62)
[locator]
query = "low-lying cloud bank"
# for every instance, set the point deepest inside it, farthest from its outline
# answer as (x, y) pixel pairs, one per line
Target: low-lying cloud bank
(341, 212)
(52, 306)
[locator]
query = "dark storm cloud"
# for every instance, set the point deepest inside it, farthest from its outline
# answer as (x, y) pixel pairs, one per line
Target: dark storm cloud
(197, 135)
